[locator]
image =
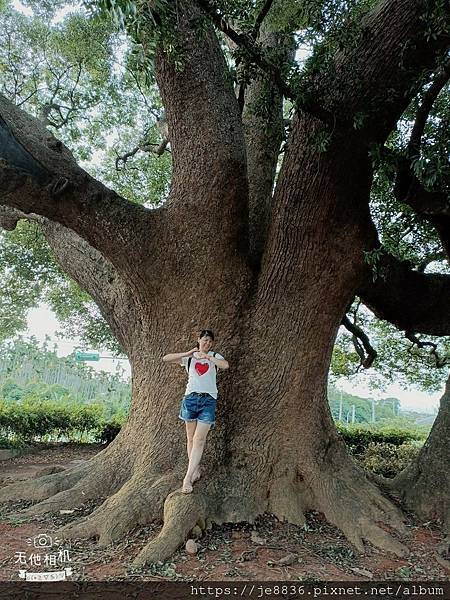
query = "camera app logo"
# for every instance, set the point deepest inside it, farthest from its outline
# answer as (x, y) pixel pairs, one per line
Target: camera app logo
(42, 541)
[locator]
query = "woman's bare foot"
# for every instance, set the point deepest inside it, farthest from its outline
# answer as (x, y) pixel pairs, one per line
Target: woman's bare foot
(187, 486)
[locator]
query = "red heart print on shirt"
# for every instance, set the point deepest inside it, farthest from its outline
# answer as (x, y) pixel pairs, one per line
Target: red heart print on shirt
(201, 368)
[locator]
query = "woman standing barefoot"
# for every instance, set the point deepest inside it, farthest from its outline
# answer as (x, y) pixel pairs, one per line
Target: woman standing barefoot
(198, 406)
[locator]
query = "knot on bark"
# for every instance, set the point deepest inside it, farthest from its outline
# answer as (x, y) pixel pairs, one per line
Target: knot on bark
(58, 186)
(54, 144)
(9, 217)
(8, 223)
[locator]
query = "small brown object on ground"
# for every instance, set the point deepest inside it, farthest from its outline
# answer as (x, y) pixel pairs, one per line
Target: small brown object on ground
(191, 547)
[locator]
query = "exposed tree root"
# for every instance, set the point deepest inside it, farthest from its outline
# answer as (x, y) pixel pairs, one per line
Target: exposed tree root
(345, 496)
(42, 487)
(138, 502)
(414, 485)
(66, 489)
(350, 502)
(429, 471)
(181, 513)
(358, 508)
(98, 481)
(71, 498)
(290, 501)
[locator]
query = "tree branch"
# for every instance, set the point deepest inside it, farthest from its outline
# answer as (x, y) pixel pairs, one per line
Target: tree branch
(205, 133)
(374, 79)
(424, 109)
(157, 149)
(439, 360)
(435, 256)
(432, 205)
(260, 18)
(375, 76)
(409, 190)
(264, 134)
(39, 175)
(96, 276)
(410, 300)
(361, 342)
(93, 273)
(247, 42)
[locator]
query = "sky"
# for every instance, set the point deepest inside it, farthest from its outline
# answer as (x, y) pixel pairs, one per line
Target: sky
(27, 10)
(409, 399)
(42, 322)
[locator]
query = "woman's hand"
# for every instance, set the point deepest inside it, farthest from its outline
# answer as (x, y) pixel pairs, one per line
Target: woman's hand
(176, 357)
(202, 355)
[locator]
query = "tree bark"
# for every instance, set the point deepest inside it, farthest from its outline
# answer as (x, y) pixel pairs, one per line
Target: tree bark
(425, 484)
(263, 122)
(91, 271)
(39, 175)
(411, 300)
(209, 194)
(95, 275)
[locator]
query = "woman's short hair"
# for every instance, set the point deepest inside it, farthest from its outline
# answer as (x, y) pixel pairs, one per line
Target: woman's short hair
(206, 332)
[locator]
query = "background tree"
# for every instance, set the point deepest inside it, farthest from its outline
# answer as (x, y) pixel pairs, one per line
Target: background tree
(273, 273)
(26, 366)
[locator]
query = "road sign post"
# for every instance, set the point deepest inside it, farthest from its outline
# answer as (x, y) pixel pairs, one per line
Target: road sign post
(87, 356)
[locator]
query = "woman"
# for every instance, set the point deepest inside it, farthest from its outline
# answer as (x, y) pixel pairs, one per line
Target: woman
(198, 407)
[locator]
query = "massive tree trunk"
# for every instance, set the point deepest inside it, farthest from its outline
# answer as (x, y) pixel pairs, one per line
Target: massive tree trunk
(187, 266)
(425, 484)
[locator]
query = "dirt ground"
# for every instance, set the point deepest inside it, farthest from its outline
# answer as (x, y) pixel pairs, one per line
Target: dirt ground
(265, 551)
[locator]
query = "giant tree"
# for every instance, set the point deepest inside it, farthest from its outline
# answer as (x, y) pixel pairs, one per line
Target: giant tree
(270, 260)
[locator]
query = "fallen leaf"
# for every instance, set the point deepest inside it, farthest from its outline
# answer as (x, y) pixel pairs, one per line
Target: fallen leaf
(362, 572)
(290, 559)
(444, 563)
(257, 539)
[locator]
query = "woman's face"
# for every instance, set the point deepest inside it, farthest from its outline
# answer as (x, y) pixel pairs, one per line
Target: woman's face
(205, 344)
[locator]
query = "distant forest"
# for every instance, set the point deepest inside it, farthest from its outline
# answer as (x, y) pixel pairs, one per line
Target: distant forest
(30, 372)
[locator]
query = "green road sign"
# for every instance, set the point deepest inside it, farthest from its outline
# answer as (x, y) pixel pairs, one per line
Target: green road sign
(82, 356)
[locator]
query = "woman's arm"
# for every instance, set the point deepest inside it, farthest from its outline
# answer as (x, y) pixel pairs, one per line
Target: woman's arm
(219, 362)
(175, 358)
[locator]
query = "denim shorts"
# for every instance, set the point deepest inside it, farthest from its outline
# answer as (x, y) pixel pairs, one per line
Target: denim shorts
(198, 407)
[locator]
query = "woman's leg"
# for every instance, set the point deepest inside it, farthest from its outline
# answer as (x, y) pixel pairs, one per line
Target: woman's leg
(196, 452)
(190, 430)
